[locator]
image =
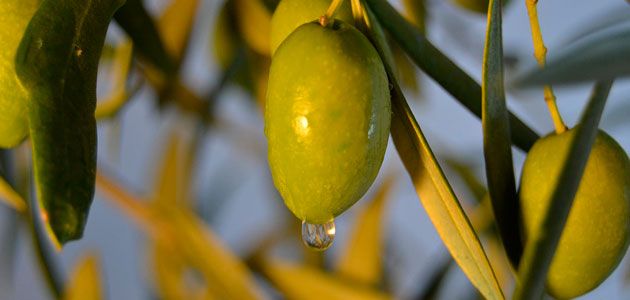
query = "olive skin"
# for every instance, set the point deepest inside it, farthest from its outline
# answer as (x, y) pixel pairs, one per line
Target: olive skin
(597, 231)
(14, 17)
(290, 14)
(327, 119)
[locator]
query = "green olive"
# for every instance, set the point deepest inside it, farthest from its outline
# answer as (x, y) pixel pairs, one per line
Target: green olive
(290, 14)
(327, 119)
(596, 234)
(14, 16)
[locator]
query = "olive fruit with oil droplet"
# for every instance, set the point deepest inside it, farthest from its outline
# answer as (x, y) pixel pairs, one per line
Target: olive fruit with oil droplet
(327, 119)
(597, 231)
(290, 14)
(14, 16)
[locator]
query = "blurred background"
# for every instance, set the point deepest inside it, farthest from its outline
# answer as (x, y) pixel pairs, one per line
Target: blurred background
(229, 184)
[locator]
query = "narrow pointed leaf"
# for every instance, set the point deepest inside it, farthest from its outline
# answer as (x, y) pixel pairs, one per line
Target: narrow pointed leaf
(435, 192)
(602, 56)
(175, 26)
(307, 283)
(118, 96)
(138, 24)
(439, 67)
(85, 283)
(361, 260)
(57, 63)
(541, 246)
(230, 277)
(10, 197)
(496, 138)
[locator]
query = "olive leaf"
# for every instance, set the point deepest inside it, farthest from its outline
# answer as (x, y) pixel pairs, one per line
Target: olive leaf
(541, 246)
(173, 227)
(85, 281)
(57, 63)
(496, 138)
(303, 282)
(10, 197)
(433, 188)
(601, 56)
(175, 26)
(361, 259)
(439, 67)
(138, 24)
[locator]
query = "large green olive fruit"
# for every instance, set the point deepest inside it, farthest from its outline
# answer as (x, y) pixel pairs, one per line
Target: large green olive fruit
(597, 232)
(327, 119)
(14, 16)
(290, 14)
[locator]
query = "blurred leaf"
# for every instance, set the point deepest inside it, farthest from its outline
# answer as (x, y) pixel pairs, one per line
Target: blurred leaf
(308, 283)
(171, 181)
(606, 20)
(183, 233)
(254, 22)
(10, 197)
(85, 282)
(175, 26)
(502, 266)
(406, 71)
(118, 96)
(496, 138)
(430, 291)
(57, 62)
(466, 173)
(602, 56)
(541, 246)
(225, 39)
(416, 13)
(455, 81)
(361, 260)
(138, 24)
(170, 272)
(434, 191)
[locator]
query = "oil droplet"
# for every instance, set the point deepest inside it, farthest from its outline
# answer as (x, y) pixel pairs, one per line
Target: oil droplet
(318, 236)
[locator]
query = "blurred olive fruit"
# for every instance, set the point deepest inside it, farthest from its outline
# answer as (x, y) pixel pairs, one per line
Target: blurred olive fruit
(480, 6)
(327, 121)
(290, 14)
(253, 19)
(14, 16)
(596, 234)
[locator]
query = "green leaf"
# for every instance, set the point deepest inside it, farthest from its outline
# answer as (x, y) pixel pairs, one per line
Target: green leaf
(57, 62)
(434, 191)
(442, 69)
(603, 56)
(541, 247)
(496, 138)
(138, 24)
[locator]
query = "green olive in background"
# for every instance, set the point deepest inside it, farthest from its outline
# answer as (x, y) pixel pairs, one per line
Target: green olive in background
(597, 231)
(14, 16)
(327, 119)
(290, 14)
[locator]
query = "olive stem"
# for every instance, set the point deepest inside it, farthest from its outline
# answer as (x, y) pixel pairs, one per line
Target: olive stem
(330, 12)
(540, 52)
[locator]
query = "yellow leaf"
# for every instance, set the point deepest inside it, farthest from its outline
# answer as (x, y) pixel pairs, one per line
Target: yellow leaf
(254, 21)
(120, 70)
(85, 281)
(175, 26)
(308, 283)
(433, 189)
(171, 272)
(172, 182)
(10, 197)
(361, 259)
(183, 233)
